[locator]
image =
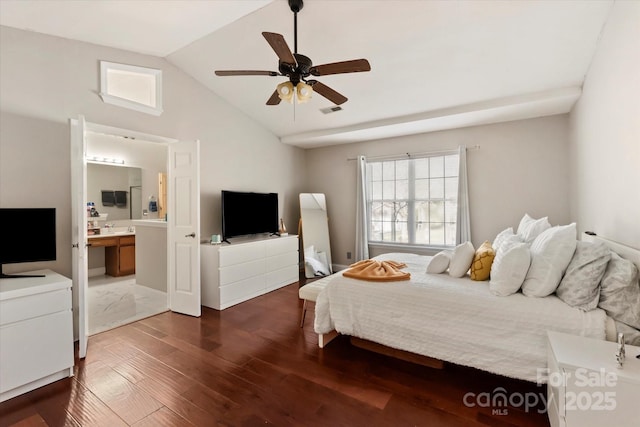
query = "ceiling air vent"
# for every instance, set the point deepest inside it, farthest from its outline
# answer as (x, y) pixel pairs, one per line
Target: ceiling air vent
(333, 109)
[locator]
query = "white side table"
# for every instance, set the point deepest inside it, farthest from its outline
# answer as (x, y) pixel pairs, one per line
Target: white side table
(585, 387)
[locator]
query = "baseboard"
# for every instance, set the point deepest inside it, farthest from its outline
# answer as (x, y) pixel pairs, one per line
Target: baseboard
(100, 271)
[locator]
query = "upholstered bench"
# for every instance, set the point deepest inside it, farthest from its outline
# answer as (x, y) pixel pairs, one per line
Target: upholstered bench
(309, 292)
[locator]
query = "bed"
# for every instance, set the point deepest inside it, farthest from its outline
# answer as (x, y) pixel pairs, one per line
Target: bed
(454, 319)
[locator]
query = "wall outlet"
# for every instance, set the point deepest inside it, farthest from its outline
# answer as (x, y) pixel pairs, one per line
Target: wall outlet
(348, 255)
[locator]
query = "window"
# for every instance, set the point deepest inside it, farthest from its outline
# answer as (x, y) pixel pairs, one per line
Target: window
(413, 201)
(130, 86)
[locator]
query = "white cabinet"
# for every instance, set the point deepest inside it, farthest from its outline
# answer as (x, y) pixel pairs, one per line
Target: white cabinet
(585, 388)
(243, 270)
(36, 332)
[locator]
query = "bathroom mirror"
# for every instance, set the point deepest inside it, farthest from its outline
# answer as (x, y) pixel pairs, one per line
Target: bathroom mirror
(315, 235)
(127, 181)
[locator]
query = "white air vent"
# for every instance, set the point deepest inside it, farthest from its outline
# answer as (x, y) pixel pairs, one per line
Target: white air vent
(333, 109)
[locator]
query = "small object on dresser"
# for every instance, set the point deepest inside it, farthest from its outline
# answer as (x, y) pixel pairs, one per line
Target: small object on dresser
(283, 229)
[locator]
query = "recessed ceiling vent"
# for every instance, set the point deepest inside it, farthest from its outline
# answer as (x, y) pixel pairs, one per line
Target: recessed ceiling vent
(330, 110)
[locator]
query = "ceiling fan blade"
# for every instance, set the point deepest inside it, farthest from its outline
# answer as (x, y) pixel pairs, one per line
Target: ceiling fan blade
(353, 66)
(275, 99)
(245, 73)
(327, 92)
(280, 46)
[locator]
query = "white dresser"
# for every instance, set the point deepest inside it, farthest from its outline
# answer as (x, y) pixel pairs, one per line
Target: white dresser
(36, 332)
(233, 273)
(585, 388)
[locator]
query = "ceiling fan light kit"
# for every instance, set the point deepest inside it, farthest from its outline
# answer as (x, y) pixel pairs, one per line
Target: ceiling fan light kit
(298, 68)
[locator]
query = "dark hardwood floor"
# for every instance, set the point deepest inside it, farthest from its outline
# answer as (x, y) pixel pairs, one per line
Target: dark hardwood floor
(252, 365)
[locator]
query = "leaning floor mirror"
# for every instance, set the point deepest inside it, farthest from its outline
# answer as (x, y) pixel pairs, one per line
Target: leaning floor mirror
(315, 235)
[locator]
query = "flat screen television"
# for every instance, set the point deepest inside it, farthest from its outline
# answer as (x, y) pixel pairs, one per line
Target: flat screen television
(248, 213)
(28, 235)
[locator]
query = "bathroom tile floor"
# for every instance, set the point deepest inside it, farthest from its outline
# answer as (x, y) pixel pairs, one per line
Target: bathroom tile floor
(116, 301)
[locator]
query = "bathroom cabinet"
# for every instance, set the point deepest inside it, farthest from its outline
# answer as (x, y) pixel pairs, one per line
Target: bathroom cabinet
(120, 260)
(119, 253)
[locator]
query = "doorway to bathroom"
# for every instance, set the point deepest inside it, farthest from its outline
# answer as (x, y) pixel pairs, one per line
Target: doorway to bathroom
(124, 190)
(178, 255)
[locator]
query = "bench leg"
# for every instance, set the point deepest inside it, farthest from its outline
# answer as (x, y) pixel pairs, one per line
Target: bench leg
(304, 313)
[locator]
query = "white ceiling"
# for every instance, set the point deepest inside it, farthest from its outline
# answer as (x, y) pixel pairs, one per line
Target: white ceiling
(435, 64)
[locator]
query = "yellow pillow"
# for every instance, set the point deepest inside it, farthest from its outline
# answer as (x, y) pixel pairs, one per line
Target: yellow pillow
(482, 260)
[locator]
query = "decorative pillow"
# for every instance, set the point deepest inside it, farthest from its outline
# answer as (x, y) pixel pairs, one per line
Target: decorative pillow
(482, 260)
(530, 228)
(509, 267)
(461, 259)
(501, 237)
(631, 335)
(580, 286)
(551, 253)
(439, 263)
(620, 291)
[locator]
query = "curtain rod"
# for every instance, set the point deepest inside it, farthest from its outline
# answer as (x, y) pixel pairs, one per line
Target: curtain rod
(410, 155)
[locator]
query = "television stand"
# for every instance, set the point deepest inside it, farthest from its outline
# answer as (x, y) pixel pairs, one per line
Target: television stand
(36, 332)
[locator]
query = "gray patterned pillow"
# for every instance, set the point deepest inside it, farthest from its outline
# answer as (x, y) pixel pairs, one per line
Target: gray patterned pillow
(580, 286)
(620, 291)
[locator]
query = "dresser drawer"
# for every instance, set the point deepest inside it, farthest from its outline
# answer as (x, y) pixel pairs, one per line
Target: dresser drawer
(239, 272)
(279, 278)
(281, 246)
(241, 291)
(35, 348)
(281, 261)
(232, 255)
(17, 309)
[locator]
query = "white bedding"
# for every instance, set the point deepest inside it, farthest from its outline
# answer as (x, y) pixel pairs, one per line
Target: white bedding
(456, 320)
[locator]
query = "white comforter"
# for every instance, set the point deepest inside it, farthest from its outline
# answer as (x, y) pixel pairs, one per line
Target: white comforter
(456, 320)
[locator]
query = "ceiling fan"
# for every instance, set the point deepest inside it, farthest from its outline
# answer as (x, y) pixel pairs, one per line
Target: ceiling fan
(299, 67)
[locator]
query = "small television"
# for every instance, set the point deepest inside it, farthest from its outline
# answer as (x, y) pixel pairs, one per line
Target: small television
(28, 235)
(248, 213)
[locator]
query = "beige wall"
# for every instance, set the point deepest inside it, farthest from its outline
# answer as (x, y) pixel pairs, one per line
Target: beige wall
(45, 81)
(605, 133)
(521, 167)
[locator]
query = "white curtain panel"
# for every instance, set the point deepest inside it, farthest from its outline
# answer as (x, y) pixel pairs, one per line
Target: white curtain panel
(362, 240)
(463, 229)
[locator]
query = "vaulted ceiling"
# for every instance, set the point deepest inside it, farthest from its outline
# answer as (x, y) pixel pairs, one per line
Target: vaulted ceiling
(434, 64)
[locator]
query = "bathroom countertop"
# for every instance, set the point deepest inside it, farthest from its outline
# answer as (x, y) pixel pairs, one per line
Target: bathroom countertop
(159, 223)
(114, 234)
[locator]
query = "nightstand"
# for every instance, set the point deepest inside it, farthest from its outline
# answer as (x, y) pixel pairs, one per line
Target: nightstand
(585, 387)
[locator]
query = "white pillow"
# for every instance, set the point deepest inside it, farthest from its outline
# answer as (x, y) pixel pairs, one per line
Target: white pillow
(439, 263)
(509, 267)
(531, 228)
(461, 259)
(501, 237)
(551, 253)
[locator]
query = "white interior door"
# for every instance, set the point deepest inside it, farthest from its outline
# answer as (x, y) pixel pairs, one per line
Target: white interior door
(183, 226)
(79, 227)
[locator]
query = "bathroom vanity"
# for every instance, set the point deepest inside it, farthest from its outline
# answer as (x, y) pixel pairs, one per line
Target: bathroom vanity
(119, 252)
